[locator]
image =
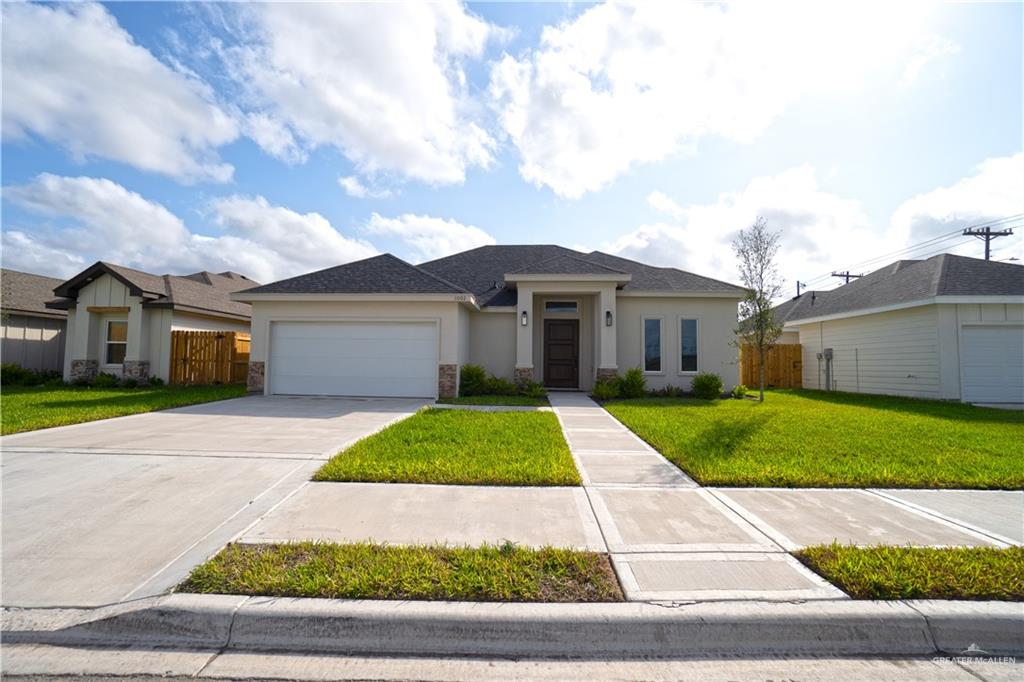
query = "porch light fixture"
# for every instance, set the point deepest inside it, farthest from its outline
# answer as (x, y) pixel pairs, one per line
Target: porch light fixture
(608, 318)
(524, 320)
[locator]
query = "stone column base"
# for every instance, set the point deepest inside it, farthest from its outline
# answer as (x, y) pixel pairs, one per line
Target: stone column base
(606, 373)
(136, 369)
(447, 381)
(254, 379)
(84, 370)
(522, 375)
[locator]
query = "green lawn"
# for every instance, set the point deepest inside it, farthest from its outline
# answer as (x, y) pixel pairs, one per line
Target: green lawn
(920, 572)
(495, 400)
(39, 407)
(373, 571)
(460, 447)
(813, 438)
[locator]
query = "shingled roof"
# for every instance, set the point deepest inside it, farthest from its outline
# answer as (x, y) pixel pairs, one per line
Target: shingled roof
(25, 293)
(200, 292)
(384, 274)
(909, 281)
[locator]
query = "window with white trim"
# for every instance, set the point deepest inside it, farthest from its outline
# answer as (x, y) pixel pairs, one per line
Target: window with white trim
(561, 307)
(688, 345)
(116, 342)
(652, 345)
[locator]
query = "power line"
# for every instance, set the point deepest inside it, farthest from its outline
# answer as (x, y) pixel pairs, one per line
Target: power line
(987, 235)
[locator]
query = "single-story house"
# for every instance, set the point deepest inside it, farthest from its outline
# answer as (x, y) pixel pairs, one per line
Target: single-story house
(33, 335)
(384, 327)
(949, 328)
(120, 320)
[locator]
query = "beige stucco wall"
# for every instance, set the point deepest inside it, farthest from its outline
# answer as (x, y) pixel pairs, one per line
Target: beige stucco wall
(716, 332)
(444, 313)
(492, 342)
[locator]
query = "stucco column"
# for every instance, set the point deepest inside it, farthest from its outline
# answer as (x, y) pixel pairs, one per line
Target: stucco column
(524, 335)
(609, 358)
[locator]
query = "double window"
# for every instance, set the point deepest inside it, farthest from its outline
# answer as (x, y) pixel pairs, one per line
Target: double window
(689, 345)
(116, 342)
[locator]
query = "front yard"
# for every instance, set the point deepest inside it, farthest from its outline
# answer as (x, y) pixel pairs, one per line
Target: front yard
(372, 571)
(518, 400)
(817, 439)
(460, 447)
(27, 408)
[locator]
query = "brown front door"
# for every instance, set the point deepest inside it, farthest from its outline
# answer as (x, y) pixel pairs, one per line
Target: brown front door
(562, 353)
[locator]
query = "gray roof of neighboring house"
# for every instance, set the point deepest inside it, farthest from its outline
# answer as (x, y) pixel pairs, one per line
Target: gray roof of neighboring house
(200, 292)
(906, 281)
(482, 271)
(384, 274)
(24, 292)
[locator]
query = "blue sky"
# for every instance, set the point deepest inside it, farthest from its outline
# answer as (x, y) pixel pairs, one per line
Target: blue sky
(274, 139)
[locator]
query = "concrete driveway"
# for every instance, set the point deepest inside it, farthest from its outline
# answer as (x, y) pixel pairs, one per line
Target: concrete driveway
(120, 509)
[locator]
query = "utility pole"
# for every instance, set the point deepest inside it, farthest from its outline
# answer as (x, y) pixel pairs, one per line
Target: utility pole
(846, 276)
(988, 235)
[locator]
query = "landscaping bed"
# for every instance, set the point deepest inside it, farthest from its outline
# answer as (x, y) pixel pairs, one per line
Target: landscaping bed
(460, 447)
(920, 572)
(373, 571)
(802, 438)
(515, 400)
(27, 408)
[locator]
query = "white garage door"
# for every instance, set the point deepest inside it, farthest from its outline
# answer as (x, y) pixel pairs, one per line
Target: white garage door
(382, 359)
(993, 364)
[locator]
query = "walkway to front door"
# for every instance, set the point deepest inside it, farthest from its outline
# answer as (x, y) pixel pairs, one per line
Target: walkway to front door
(562, 353)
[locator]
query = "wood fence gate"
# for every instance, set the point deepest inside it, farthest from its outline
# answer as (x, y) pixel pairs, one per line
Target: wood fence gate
(209, 357)
(784, 366)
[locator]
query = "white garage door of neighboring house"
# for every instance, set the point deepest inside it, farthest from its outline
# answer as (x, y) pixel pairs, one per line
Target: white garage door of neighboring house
(992, 362)
(380, 359)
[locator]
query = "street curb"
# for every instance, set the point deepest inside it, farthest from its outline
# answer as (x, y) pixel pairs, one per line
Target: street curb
(838, 628)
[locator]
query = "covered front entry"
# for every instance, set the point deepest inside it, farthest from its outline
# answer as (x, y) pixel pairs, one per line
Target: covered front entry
(562, 353)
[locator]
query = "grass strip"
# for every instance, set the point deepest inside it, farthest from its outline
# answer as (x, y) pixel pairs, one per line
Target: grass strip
(520, 400)
(801, 438)
(460, 447)
(27, 408)
(883, 572)
(375, 571)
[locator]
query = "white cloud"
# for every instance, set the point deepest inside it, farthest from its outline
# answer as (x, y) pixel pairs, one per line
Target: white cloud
(74, 76)
(625, 84)
(355, 188)
(383, 83)
(931, 49)
(429, 237)
(660, 201)
(823, 232)
(101, 220)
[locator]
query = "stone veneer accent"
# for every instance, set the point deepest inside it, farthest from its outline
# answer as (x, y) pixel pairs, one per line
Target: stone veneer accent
(447, 381)
(254, 380)
(84, 370)
(606, 373)
(136, 369)
(522, 375)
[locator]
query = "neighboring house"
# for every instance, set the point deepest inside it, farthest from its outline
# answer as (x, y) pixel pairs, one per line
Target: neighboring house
(33, 335)
(383, 327)
(120, 320)
(948, 327)
(782, 313)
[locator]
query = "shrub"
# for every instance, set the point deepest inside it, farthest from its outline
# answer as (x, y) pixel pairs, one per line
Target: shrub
(739, 391)
(472, 380)
(105, 380)
(669, 391)
(499, 386)
(633, 384)
(130, 382)
(156, 381)
(707, 386)
(533, 389)
(606, 389)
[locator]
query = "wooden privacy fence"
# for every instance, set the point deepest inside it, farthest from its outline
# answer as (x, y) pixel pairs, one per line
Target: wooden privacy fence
(209, 357)
(784, 366)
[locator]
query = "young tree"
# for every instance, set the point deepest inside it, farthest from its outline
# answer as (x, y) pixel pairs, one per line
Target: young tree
(755, 249)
